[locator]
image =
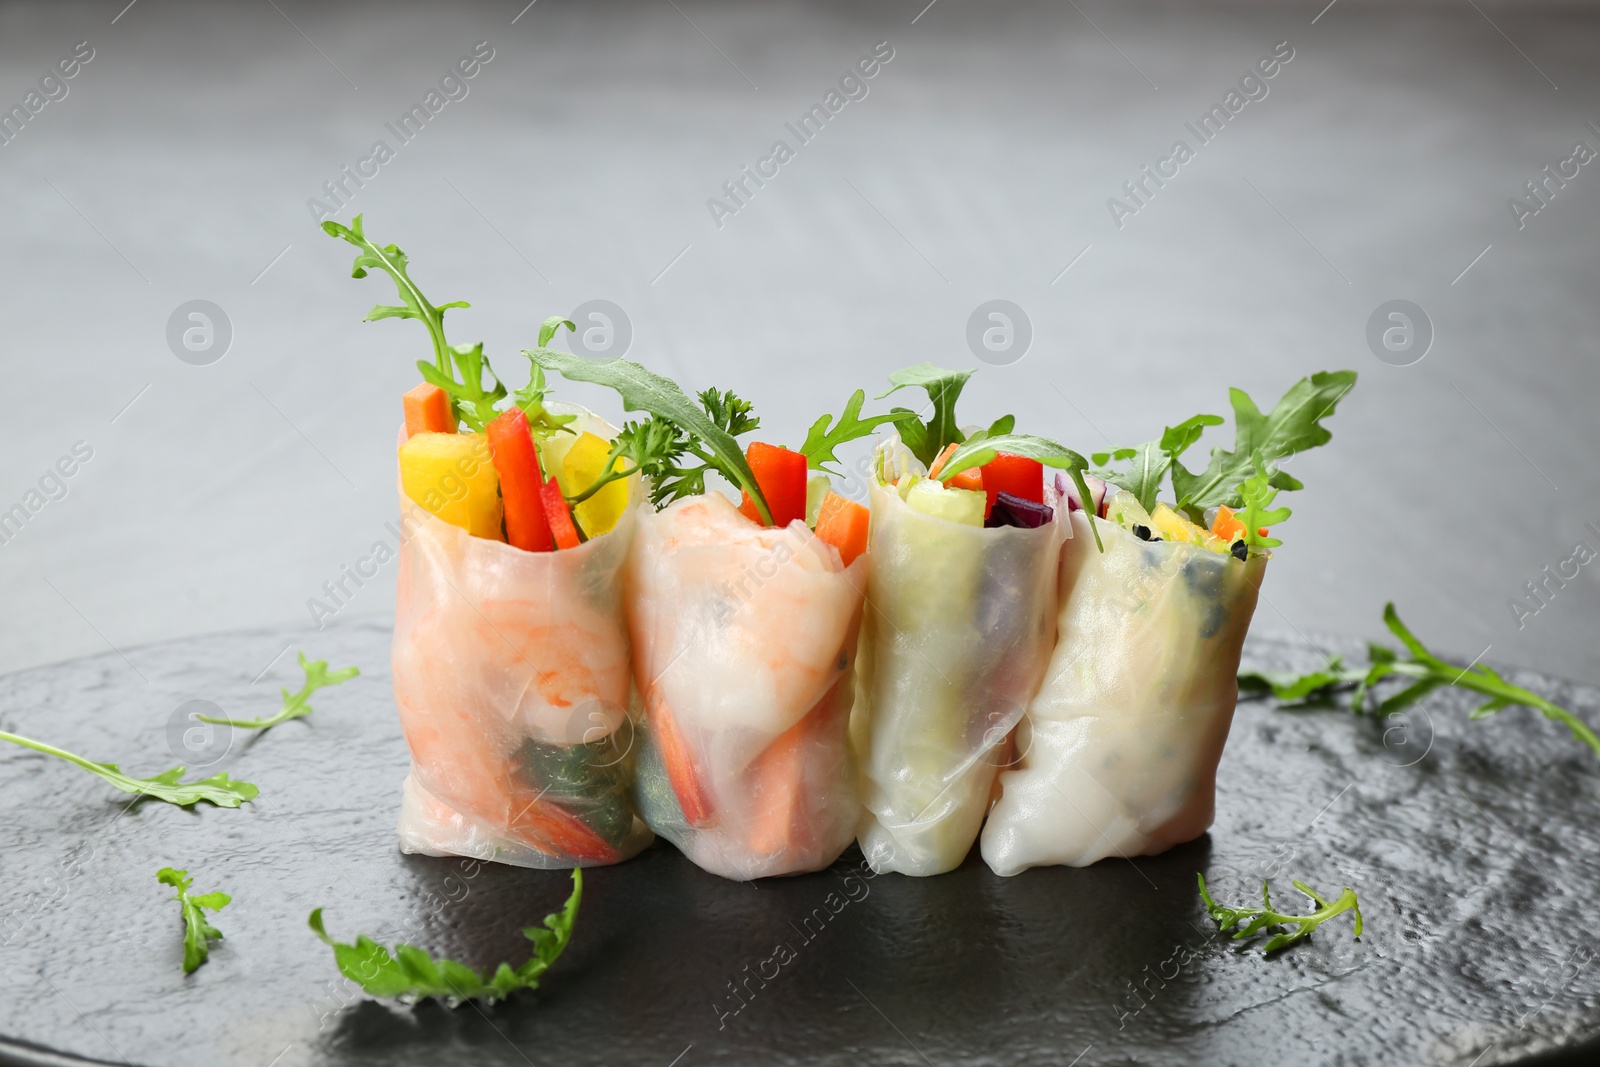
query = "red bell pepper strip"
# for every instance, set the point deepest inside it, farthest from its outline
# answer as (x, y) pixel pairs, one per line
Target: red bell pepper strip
(843, 524)
(1017, 475)
(517, 463)
(781, 474)
(428, 410)
(559, 515)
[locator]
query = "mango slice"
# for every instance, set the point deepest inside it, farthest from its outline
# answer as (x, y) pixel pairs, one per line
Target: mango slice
(453, 476)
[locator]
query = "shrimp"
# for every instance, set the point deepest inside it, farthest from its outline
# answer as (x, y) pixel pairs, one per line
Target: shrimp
(744, 645)
(511, 676)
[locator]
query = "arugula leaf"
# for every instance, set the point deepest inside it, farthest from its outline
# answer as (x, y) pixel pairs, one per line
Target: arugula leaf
(821, 441)
(708, 431)
(196, 929)
(411, 974)
(943, 387)
(1247, 922)
(1293, 425)
(1426, 672)
(1258, 495)
(473, 403)
(1291, 687)
(218, 789)
(394, 262)
(295, 705)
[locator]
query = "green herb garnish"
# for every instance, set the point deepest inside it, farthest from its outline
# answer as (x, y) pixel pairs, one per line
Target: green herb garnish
(927, 440)
(218, 789)
(1260, 441)
(530, 398)
(1247, 922)
(196, 928)
(1258, 495)
(295, 705)
(1426, 672)
(459, 370)
(703, 432)
(411, 974)
(394, 262)
(821, 440)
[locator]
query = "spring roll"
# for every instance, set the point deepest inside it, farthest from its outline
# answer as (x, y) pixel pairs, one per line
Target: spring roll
(511, 674)
(744, 642)
(960, 624)
(1119, 749)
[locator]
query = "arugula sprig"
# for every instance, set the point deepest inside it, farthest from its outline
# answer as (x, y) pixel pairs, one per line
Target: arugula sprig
(927, 439)
(530, 398)
(1425, 671)
(393, 262)
(1260, 443)
(826, 435)
(219, 789)
(703, 431)
(411, 974)
(1247, 922)
(196, 928)
(1258, 495)
(295, 705)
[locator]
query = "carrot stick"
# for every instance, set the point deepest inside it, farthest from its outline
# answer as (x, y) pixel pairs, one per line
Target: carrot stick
(778, 776)
(941, 459)
(680, 766)
(428, 410)
(555, 829)
(843, 524)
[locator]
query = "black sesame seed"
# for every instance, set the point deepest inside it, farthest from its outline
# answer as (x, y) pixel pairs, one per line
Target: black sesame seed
(1240, 550)
(1141, 532)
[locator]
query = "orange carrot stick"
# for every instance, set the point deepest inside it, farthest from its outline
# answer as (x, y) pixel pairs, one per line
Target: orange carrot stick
(428, 411)
(680, 766)
(843, 524)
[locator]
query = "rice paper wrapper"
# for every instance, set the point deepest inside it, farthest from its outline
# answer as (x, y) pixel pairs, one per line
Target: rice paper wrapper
(511, 675)
(958, 629)
(744, 655)
(1119, 751)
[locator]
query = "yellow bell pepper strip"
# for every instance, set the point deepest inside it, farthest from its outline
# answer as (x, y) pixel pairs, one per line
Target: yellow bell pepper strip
(452, 475)
(581, 467)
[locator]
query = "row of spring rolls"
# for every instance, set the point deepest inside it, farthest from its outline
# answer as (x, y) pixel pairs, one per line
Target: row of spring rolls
(745, 692)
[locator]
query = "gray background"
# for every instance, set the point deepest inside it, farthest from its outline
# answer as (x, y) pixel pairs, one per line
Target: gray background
(1378, 167)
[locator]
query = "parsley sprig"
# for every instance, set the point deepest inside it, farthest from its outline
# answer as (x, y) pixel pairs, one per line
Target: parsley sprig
(219, 789)
(1248, 922)
(295, 705)
(411, 974)
(196, 927)
(1425, 672)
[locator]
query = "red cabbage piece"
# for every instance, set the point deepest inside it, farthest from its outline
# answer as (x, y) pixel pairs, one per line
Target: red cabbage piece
(1012, 510)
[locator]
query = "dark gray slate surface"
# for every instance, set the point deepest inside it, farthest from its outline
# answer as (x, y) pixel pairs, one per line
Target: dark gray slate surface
(1473, 847)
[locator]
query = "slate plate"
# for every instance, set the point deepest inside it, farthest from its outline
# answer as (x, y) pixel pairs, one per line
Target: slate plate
(1473, 848)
